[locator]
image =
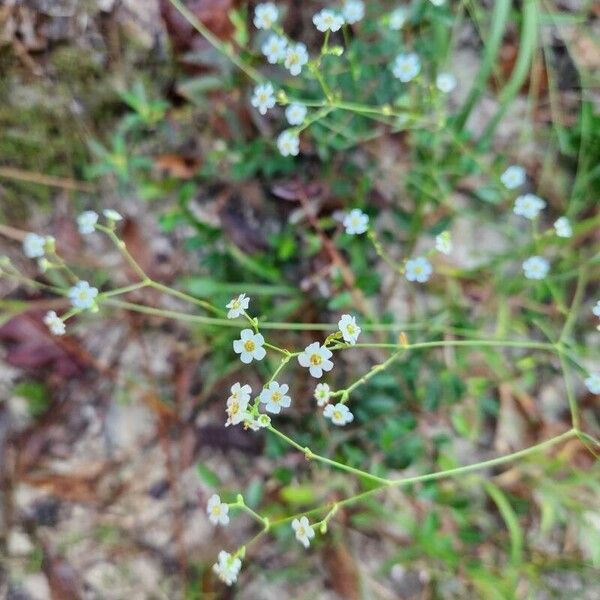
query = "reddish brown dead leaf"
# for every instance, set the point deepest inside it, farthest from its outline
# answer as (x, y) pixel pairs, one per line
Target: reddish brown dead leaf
(178, 166)
(30, 346)
(62, 579)
(343, 572)
(295, 189)
(212, 13)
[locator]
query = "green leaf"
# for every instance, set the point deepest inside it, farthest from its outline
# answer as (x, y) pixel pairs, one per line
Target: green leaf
(208, 475)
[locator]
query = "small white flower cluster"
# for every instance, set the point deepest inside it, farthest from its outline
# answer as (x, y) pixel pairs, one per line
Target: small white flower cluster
(277, 48)
(237, 404)
(238, 410)
(88, 219)
(227, 567)
(596, 309)
(530, 206)
(328, 20)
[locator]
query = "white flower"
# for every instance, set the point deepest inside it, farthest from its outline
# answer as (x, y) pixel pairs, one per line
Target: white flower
(513, 177)
(263, 98)
(227, 568)
(592, 383)
(418, 269)
(398, 18)
(316, 358)
(445, 82)
(86, 221)
(237, 306)
(406, 66)
(563, 227)
(274, 48)
(304, 532)
(112, 215)
(217, 511)
(295, 113)
(339, 414)
(275, 397)
(437, 2)
(250, 346)
(54, 323)
(356, 222)
(528, 206)
(350, 330)
(296, 56)
(443, 242)
(82, 295)
(596, 309)
(237, 404)
(353, 11)
(536, 267)
(288, 143)
(33, 245)
(327, 20)
(263, 420)
(265, 15)
(322, 394)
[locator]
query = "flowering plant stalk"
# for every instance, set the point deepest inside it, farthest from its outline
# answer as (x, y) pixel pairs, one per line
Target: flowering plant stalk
(243, 407)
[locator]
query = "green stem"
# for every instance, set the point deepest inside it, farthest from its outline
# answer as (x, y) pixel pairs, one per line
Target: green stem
(310, 455)
(437, 475)
(183, 296)
(492, 44)
(123, 290)
(527, 47)
(345, 393)
(570, 393)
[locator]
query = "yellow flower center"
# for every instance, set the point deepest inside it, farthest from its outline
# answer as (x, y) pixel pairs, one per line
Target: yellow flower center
(276, 396)
(216, 510)
(316, 359)
(249, 346)
(350, 329)
(293, 59)
(234, 408)
(337, 414)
